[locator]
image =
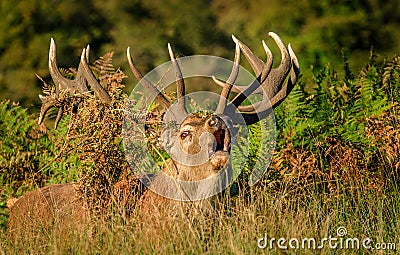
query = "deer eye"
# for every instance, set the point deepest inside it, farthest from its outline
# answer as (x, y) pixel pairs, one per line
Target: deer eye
(184, 134)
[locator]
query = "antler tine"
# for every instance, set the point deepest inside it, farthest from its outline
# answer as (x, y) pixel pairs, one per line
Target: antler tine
(180, 84)
(263, 108)
(59, 80)
(280, 96)
(271, 81)
(287, 88)
(89, 76)
(256, 63)
(277, 76)
(78, 84)
(255, 86)
(59, 116)
(47, 103)
(229, 83)
(268, 65)
(150, 86)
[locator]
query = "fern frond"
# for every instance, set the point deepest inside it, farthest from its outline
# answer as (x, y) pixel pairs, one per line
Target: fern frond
(104, 67)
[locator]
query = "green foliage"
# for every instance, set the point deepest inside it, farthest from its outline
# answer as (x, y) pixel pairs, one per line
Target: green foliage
(391, 79)
(28, 155)
(254, 140)
(335, 107)
(23, 149)
(3, 215)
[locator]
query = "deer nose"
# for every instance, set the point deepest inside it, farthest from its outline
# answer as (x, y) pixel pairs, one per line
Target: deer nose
(214, 121)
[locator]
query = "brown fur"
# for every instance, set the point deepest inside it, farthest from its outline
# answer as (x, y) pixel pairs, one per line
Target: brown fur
(52, 205)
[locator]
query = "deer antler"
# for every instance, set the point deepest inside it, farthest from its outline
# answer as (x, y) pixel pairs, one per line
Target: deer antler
(75, 86)
(148, 85)
(269, 82)
(273, 84)
(180, 84)
(227, 86)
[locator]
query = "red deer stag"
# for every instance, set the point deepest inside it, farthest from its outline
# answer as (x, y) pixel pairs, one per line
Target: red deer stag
(58, 203)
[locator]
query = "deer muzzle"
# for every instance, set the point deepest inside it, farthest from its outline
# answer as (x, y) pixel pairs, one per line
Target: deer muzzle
(221, 134)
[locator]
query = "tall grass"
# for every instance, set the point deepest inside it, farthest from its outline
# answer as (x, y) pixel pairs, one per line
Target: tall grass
(236, 228)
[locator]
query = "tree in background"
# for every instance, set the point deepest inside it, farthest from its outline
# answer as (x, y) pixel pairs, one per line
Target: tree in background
(147, 27)
(319, 31)
(26, 28)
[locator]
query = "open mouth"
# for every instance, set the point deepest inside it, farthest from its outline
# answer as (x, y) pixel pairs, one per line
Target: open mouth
(222, 142)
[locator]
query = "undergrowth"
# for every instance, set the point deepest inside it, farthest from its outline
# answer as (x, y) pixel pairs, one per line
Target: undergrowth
(345, 131)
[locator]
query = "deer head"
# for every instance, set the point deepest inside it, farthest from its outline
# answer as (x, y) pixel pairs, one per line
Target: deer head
(198, 140)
